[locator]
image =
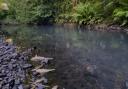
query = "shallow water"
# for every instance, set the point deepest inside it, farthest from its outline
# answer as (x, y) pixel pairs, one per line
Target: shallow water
(73, 49)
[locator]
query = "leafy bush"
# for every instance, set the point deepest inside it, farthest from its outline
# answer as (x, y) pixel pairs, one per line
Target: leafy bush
(29, 11)
(78, 11)
(88, 13)
(121, 16)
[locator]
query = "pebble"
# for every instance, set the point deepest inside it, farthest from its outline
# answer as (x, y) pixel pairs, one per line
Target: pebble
(20, 87)
(40, 86)
(26, 66)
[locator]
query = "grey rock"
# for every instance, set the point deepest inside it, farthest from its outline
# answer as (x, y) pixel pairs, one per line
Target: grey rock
(20, 87)
(40, 86)
(26, 66)
(2, 75)
(17, 81)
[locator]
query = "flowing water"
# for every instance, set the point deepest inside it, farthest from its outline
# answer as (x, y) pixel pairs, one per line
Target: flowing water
(73, 49)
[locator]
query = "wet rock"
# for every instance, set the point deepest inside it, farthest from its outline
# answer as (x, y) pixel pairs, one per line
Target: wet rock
(2, 75)
(40, 86)
(26, 66)
(17, 82)
(0, 86)
(20, 87)
(12, 67)
(1, 79)
(6, 86)
(11, 83)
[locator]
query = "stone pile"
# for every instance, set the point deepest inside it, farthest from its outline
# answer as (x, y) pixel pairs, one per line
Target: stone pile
(13, 66)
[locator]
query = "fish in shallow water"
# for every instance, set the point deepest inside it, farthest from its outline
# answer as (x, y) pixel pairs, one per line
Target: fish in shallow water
(42, 59)
(43, 79)
(43, 71)
(55, 87)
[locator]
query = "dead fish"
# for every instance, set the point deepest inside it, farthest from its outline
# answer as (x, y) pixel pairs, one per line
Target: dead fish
(43, 71)
(38, 67)
(39, 58)
(55, 87)
(41, 80)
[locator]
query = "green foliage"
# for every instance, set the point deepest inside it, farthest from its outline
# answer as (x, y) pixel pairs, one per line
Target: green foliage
(3, 15)
(109, 8)
(121, 16)
(74, 11)
(88, 13)
(29, 11)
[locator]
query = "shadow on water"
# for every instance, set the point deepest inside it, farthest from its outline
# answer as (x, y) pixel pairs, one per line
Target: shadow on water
(73, 49)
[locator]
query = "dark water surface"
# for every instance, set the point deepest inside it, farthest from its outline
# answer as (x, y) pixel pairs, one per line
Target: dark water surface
(73, 49)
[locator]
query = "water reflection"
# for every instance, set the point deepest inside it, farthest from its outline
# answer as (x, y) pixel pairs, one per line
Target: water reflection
(73, 49)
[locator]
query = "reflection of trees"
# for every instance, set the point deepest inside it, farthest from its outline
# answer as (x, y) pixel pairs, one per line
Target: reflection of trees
(60, 37)
(91, 40)
(27, 36)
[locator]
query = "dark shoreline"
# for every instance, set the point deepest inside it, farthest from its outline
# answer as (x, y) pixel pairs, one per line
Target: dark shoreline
(95, 27)
(98, 27)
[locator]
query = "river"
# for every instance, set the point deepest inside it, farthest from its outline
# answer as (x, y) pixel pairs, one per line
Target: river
(73, 49)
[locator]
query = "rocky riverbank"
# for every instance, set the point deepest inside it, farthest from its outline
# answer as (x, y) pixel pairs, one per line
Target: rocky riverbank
(15, 69)
(97, 27)
(13, 66)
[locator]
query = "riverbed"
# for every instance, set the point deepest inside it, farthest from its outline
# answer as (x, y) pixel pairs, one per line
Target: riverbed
(73, 50)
